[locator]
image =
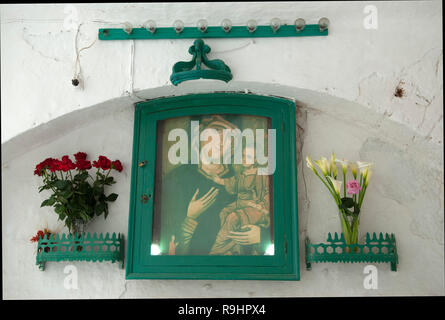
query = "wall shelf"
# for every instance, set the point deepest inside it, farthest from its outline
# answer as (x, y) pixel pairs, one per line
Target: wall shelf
(376, 249)
(82, 247)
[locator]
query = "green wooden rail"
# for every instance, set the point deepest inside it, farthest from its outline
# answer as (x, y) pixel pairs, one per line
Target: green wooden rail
(376, 249)
(81, 247)
(309, 30)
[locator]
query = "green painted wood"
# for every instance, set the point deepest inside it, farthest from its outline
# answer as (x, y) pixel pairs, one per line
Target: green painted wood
(191, 70)
(284, 264)
(310, 30)
(81, 247)
(336, 250)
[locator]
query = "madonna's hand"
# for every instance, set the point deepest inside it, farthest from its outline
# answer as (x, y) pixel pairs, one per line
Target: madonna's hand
(198, 206)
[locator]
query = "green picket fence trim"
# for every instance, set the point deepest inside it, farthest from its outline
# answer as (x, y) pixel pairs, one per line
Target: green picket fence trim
(381, 249)
(80, 247)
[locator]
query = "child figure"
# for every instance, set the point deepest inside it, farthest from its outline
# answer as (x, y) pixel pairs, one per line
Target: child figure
(251, 207)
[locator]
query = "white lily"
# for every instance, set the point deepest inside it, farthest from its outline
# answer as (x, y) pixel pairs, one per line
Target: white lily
(354, 168)
(309, 163)
(324, 166)
(337, 184)
(333, 166)
(367, 177)
(327, 164)
(364, 166)
(344, 164)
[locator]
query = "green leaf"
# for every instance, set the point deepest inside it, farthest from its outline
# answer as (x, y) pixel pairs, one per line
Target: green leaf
(67, 194)
(59, 208)
(112, 197)
(106, 211)
(84, 188)
(85, 217)
(99, 208)
(81, 176)
(347, 202)
(62, 184)
(98, 190)
(44, 187)
(48, 202)
(63, 200)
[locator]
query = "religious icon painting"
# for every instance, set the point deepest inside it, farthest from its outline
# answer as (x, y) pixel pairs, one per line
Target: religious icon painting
(213, 192)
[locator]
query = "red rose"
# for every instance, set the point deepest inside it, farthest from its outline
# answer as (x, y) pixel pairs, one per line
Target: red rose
(56, 165)
(80, 156)
(67, 164)
(82, 164)
(117, 165)
(45, 164)
(103, 162)
(38, 170)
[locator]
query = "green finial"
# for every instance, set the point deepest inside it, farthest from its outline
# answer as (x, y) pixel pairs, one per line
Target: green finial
(183, 70)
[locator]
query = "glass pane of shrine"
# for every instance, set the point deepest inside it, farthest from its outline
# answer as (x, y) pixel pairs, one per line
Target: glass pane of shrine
(213, 193)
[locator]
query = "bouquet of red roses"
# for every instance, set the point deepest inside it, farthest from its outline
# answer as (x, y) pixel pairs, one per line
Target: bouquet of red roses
(73, 197)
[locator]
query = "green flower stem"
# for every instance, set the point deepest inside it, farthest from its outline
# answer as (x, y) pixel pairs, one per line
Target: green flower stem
(335, 194)
(97, 175)
(361, 191)
(45, 182)
(354, 234)
(345, 226)
(344, 183)
(362, 196)
(327, 186)
(109, 170)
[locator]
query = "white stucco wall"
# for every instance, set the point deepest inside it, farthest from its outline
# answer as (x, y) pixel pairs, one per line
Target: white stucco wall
(344, 85)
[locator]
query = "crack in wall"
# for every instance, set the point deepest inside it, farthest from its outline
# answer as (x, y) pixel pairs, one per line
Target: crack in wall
(428, 135)
(124, 291)
(28, 42)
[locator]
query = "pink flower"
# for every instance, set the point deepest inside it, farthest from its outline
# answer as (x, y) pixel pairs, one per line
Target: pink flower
(353, 187)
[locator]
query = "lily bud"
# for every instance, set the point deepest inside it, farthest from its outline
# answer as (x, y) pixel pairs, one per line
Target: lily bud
(333, 166)
(367, 177)
(354, 168)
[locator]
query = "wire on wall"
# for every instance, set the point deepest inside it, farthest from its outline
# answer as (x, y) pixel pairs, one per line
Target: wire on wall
(77, 69)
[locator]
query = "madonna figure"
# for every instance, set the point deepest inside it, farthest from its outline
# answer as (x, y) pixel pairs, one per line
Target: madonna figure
(192, 200)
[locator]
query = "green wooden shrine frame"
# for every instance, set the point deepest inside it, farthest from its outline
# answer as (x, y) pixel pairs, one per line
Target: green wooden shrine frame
(284, 264)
